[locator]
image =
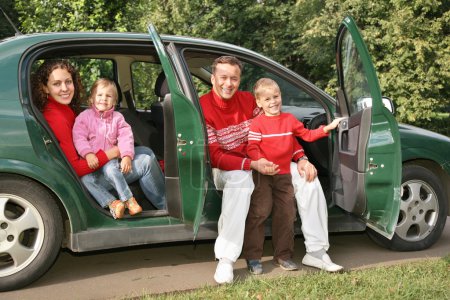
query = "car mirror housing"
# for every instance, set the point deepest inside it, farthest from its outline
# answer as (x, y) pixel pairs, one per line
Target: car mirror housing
(389, 104)
(367, 102)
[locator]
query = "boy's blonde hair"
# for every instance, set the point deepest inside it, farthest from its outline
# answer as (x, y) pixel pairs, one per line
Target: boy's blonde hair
(103, 82)
(264, 84)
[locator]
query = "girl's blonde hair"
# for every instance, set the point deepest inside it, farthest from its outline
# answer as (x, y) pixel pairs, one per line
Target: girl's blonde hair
(264, 84)
(106, 83)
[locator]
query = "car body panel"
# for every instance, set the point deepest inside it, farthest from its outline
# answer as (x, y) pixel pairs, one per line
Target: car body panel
(190, 143)
(424, 144)
(369, 141)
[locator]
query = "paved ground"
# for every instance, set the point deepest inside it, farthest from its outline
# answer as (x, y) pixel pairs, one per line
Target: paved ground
(157, 269)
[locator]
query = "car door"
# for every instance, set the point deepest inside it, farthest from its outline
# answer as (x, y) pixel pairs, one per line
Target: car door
(186, 176)
(368, 137)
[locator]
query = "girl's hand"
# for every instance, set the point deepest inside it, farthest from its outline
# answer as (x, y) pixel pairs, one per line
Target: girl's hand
(92, 160)
(125, 165)
(113, 153)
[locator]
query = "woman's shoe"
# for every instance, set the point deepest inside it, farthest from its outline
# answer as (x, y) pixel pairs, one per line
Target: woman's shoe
(133, 206)
(117, 209)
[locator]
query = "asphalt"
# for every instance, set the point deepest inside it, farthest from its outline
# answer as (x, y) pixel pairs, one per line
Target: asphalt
(128, 273)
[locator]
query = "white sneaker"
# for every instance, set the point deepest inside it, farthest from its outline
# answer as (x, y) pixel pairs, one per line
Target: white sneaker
(324, 264)
(224, 272)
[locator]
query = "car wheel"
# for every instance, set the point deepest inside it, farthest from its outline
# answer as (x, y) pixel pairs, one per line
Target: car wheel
(423, 212)
(31, 231)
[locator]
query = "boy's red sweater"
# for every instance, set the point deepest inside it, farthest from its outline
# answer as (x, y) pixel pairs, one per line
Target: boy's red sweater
(273, 138)
(61, 118)
(228, 143)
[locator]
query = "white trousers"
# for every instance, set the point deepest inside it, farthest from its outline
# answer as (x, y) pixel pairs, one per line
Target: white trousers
(237, 187)
(313, 211)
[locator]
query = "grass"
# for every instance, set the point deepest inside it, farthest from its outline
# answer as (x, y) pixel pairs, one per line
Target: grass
(427, 279)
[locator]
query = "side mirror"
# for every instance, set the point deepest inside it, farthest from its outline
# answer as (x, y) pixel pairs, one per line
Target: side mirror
(387, 102)
(366, 102)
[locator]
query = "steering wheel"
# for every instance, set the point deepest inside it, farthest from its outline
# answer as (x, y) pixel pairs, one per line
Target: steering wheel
(317, 121)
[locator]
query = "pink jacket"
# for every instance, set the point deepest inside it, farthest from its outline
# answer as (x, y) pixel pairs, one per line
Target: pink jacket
(95, 131)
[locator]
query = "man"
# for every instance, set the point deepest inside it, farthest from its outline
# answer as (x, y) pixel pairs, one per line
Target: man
(228, 113)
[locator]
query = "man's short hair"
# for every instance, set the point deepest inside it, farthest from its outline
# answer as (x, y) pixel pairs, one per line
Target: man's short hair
(231, 60)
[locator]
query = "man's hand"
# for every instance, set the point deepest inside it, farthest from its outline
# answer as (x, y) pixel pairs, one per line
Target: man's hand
(307, 170)
(92, 160)
(264, 166)
(125, 164)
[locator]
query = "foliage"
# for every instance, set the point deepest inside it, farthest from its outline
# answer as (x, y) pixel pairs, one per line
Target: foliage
(420, 280)
(409, 40)
(76, 15)
(6, 30)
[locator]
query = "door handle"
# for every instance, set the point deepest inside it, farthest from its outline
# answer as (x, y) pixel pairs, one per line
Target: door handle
(47, 141)
(181, 142)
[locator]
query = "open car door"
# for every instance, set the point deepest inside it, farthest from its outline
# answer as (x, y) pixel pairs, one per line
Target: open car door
(185, 178)
(368, 137)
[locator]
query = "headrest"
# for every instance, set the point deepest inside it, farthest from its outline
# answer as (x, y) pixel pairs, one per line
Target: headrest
(161, 86)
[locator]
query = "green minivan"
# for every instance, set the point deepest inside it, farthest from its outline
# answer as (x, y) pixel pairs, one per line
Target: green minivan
(390, 179)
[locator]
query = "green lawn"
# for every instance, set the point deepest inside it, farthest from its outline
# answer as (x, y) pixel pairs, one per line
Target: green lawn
(427, 279)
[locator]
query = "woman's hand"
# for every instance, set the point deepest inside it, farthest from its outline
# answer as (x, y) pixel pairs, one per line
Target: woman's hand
(92, 160)
(125, 165)
(113, 153)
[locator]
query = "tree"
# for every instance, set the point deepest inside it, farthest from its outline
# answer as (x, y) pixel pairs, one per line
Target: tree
(77, 15)
(6, 30)
(408, 40)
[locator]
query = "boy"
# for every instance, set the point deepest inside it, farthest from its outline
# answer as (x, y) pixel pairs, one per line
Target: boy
(272, 137)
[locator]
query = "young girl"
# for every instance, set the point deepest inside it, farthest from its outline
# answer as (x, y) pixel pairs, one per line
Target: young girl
(101, 128)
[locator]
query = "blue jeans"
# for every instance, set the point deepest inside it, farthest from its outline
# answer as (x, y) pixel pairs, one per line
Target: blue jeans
(145, 168)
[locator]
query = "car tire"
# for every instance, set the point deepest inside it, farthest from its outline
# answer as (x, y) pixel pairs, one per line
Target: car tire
(423, 212)
(31, 231)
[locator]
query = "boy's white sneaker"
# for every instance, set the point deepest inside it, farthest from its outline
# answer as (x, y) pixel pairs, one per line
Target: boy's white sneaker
(324, 263)
(224, 272)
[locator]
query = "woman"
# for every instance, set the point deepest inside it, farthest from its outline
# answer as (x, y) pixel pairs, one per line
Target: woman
(57, 92)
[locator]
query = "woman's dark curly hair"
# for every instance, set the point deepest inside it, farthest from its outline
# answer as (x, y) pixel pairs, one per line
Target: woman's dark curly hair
(40, 79)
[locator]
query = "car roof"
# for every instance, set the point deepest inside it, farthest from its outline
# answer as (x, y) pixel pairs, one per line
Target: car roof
(69, 35)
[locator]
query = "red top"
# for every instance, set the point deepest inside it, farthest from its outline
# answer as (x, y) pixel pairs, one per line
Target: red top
(227, 124)
(60, 118)
(273, 138)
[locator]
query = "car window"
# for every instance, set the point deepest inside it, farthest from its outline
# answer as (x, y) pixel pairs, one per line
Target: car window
(356, 87)
(144, 75)
(295, 100)
(90, 69)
